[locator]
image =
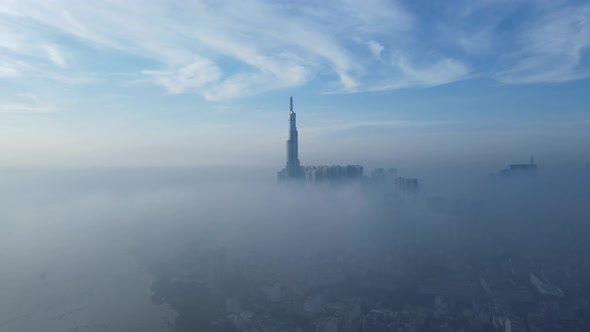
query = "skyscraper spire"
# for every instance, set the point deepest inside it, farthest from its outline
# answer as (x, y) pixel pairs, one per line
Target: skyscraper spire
(291, 109)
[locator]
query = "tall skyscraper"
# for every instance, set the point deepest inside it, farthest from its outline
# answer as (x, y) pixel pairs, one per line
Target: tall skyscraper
(293, 166)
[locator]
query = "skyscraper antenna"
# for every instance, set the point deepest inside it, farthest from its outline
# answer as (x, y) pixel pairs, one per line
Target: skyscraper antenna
(291, 104)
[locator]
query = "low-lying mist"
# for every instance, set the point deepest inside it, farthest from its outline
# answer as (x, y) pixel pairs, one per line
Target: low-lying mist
(76, 243)
(86, 250)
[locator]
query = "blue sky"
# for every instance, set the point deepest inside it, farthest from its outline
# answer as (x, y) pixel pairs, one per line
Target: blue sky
(186, 83)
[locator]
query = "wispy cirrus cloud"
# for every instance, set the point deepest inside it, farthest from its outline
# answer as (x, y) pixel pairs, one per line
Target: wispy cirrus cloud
(553, 48)
(522, 42)
(410, 75)
(223, 50)
(25, 41)
(188, 78)
(54, 55)
(11, 68)
(440, 72)
(393, 124)
(268, 45)
(27, 102)
(376, 48)
(22, 108)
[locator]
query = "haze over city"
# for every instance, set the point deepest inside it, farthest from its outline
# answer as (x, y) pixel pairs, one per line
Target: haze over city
(345, 166)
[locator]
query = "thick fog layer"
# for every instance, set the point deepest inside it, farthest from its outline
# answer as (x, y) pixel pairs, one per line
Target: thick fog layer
(75, 243)
(103, 250)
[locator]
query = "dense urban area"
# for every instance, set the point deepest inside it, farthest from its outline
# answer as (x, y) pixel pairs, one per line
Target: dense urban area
(512, 259)
(424, 264)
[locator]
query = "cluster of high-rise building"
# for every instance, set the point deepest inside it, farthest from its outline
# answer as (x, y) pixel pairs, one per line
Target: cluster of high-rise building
(293, 170)
(332, 174)
(519, 170)
(336, 174)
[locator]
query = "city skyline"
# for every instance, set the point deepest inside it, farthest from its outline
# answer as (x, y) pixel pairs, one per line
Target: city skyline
(387, 84)
(432, 174)
(294, 171)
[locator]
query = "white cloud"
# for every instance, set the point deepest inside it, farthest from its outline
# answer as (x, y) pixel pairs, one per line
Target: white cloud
(409, 75)
(240, 85)
(9, 70)
(256, 35)
(28, 103)
(21, 108)
(552, 48)
(377, 15)
(349, 84)
(31, 96)
(187, 78)
(375, 48)
(54, 55)
(476, 42)
(441, 72)
(20, 39)
(343, 126)
(249, 48)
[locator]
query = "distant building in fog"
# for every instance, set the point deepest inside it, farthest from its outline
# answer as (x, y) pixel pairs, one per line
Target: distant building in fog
(388, 182)
(406, 185)
(327, 324)
(313, 305)
(384, 178)
(518, 170)
(332, 174)
(381, 174)
(232, 306)
(273, 292)
(215, 270)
